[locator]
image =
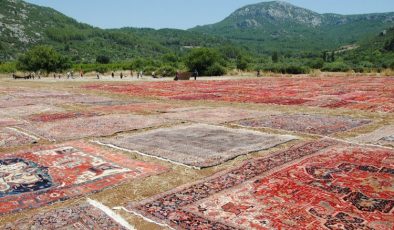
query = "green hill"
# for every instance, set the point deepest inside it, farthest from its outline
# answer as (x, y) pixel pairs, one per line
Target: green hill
(279, 26)
(377, 52)
(23, 25)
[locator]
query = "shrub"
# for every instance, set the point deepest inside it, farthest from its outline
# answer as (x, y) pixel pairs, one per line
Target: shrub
(166, 71)
(43, 58)
(336, 67)
(215, 70)
(102, 59)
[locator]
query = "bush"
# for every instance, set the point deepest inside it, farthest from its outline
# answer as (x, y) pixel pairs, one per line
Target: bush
(102, 59)
(166, 71)
(43, 58)
(336, 67)
(102, 69)
(215, 70)
(8, 67)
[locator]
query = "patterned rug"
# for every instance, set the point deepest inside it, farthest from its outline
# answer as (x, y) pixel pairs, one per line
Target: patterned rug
(214, 115)
(49, 174)
(20, 111)
(4, 122)
(84, 216)
(53, 117)
(10, 137)
(382, 136)
(133, 108)
(198, 145)
(316, 185)
(363, 93)
(69, 129)
(312, 124)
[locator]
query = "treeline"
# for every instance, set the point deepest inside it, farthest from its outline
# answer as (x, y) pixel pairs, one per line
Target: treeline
(374, 55)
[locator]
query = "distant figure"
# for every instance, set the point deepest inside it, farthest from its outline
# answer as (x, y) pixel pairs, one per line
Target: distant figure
(33, 75)
(54, 76)
(258, 73)
(153, 74)
(121, 75)
(131, 73)
(68, 75)
(195, 74)
(59, 76)
(39, 74)
(176, 76)
(113, 74)
(81, 73)
(98, 76)
(141, 73)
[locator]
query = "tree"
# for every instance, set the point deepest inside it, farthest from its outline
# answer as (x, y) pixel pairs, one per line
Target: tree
(242, 62)
(202, 59)
(43, 58)
(275, 57)
(102, 59)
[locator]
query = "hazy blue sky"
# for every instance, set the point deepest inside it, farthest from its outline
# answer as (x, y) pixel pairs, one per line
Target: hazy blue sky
(185, 14)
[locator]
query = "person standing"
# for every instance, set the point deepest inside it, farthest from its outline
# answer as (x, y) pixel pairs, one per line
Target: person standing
(195, 74)
(121, 75)
(113, 74)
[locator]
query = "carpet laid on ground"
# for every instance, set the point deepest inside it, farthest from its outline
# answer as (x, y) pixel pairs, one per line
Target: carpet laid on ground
(20, 111)
(214, 115)
(83, 216)
(311, 124)
(10, 137)
(4, 122)
(315, 185)
(96, 126)
(43, 175)
(382, 136)
(362, 93)
(197, 145)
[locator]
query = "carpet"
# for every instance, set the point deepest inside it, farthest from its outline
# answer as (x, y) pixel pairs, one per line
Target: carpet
(4, 122)
(10, 137)
(361, 93)
(312, 124)
(20, 111)
(214, 115)
(69, 129)
(197, 145)
(54, 117)
(382, 136)
(43, 175)
(83, 216)
(316, 185)
(133, 108)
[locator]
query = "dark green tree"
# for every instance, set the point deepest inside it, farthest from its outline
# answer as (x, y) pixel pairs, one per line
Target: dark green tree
(204, 59)
(43, 58)
(275, 57)
(102, 59)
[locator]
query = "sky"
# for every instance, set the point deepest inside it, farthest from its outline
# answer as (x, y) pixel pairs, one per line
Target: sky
(185, 14)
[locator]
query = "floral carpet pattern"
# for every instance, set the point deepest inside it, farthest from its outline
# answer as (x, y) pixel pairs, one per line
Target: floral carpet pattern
(10, 137)
(198, 145)
(33, 178)
(366, 93)
(312, 124)
(215, 115)
(316, 185)
(84, 216)
(70, 129)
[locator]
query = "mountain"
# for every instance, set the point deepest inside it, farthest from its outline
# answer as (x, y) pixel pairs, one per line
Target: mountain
(261, 29)
(279, 26)
(23, 25)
